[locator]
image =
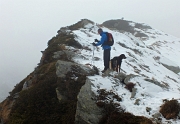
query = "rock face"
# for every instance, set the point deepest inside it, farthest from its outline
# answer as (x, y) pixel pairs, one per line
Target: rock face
(63, 67)
(87, 111)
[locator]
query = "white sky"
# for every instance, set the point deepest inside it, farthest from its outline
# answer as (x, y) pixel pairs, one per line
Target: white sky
(27, 25)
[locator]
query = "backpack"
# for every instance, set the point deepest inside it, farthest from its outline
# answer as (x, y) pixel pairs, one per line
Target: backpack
(110, 40)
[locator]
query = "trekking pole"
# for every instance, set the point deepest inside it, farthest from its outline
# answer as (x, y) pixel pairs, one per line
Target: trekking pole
(92, 61)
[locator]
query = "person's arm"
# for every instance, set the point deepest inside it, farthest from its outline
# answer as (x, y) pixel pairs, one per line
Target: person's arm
(103, 38)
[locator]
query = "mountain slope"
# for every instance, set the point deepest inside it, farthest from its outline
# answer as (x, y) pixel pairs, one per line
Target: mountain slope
(152, 59)
(52, 93)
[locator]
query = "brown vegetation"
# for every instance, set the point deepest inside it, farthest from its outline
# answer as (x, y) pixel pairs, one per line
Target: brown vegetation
(170, 109)
(114, 114)
(130, 86)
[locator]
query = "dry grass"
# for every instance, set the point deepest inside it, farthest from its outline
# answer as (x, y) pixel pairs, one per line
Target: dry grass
(170, 109)
(130, 86)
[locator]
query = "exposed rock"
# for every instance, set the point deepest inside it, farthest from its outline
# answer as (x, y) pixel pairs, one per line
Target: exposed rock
(148, 109)
(96, 59)
(172, 67)
(80, 24)
(85, 22)
(119, 24)
(63, 67)
(128, 77)
(133, 93)
(142, 26)
(175, 69)
(107, 72)
(60, 96)
(157, 118)
(121, 77)
(27, 84)
(156, 83)
(63, 30)
(87, 111)
(16, 95)
(137, 102)
(157, 115)
(139, 34)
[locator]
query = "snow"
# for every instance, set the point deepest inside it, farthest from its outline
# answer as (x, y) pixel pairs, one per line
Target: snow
(166, 61)
(140, 61)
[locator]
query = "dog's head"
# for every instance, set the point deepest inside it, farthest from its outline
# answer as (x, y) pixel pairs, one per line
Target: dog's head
(122, 56)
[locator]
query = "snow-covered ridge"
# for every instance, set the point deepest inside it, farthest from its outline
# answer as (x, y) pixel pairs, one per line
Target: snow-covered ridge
(146, 58)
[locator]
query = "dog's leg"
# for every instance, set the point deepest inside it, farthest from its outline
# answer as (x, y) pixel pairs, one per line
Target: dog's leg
(110, 64)
(116, 65)
(120, 66)
(113, 63)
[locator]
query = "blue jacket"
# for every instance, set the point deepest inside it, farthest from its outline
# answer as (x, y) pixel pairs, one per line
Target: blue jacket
(103, 39)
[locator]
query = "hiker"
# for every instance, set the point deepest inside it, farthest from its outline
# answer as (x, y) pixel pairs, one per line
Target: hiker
(106, 48)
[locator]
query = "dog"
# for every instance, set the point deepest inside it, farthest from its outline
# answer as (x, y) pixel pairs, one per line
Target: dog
(115, 63)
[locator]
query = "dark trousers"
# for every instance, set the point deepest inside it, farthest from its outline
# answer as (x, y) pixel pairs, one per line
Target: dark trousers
(106, 57)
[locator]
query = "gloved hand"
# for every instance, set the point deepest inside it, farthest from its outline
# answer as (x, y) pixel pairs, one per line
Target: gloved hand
(93, 44)
(96, 40)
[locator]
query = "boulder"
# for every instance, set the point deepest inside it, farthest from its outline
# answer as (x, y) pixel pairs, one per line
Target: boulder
(63, 67)
(133, 93)
(121, 77)
(128, 77)
(87, 111)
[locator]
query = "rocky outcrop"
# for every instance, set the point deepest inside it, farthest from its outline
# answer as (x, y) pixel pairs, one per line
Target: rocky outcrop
(87, 111)
(119, 24)
(128, 77)
(157, 83)
(171, 65)
(63, 67)
(175, 69)
(27, 83)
